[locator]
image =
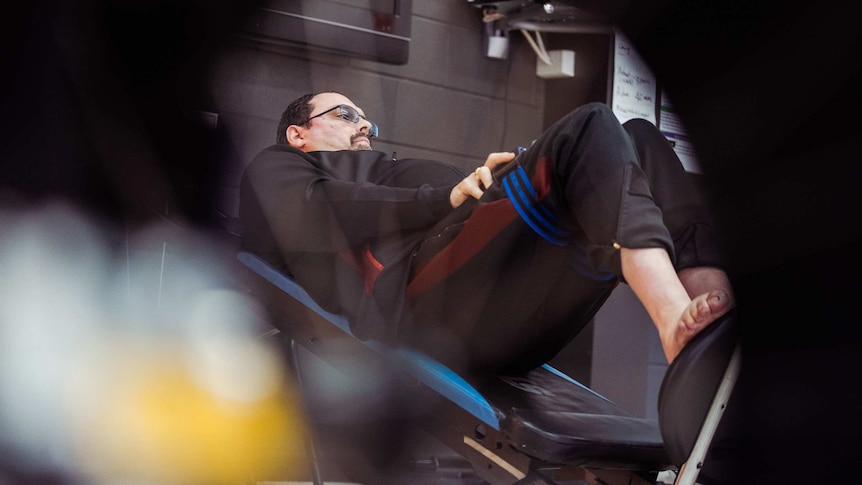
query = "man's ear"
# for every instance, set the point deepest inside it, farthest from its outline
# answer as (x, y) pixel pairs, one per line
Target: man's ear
(294, 135)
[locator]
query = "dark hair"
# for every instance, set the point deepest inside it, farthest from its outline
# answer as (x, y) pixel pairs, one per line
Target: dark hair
(297, 111)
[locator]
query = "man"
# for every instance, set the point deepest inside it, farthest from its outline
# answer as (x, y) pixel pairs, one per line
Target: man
(495, 269)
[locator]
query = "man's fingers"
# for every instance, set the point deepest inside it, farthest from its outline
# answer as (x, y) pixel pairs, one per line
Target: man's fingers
(474, 185)
(484, 177)
(470, 186)
(498, 158)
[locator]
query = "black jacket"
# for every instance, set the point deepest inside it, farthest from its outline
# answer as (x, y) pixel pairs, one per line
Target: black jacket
(344, 225)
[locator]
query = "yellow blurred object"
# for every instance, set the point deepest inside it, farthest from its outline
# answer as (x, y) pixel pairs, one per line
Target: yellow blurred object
(159, 424)
(148, 368)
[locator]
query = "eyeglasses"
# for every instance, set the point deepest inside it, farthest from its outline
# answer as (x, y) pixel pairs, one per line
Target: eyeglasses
(347, 113)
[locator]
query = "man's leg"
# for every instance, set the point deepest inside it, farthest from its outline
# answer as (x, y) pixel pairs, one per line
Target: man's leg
(585, 170)
(643, 219)
(697, 253)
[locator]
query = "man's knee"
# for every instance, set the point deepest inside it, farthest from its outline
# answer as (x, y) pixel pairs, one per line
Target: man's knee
(640, 129)
(591, 118)
(595, 110)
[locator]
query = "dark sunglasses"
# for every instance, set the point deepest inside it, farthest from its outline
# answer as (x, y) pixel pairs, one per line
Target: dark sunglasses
(347, 113)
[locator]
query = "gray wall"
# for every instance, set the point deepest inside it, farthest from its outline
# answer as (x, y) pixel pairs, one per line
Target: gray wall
(449, 102)
(452, 103)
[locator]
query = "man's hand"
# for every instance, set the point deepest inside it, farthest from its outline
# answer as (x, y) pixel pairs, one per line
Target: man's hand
(474, 185)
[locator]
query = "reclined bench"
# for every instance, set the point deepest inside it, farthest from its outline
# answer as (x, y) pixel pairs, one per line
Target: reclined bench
(537, 426)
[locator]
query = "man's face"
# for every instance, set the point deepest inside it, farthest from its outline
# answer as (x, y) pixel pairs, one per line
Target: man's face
(330, 131)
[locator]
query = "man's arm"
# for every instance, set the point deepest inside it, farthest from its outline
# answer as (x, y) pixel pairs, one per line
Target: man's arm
(309, 210)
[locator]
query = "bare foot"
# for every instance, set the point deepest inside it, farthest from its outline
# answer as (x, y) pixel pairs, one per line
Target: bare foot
(703, 310)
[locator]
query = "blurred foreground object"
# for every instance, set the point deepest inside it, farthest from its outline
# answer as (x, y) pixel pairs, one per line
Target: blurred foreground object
(103, 383)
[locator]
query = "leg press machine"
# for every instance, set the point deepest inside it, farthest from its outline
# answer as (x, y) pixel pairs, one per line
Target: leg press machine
(540, 426)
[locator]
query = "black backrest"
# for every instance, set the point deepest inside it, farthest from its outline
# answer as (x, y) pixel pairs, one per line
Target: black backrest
(687, 392)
